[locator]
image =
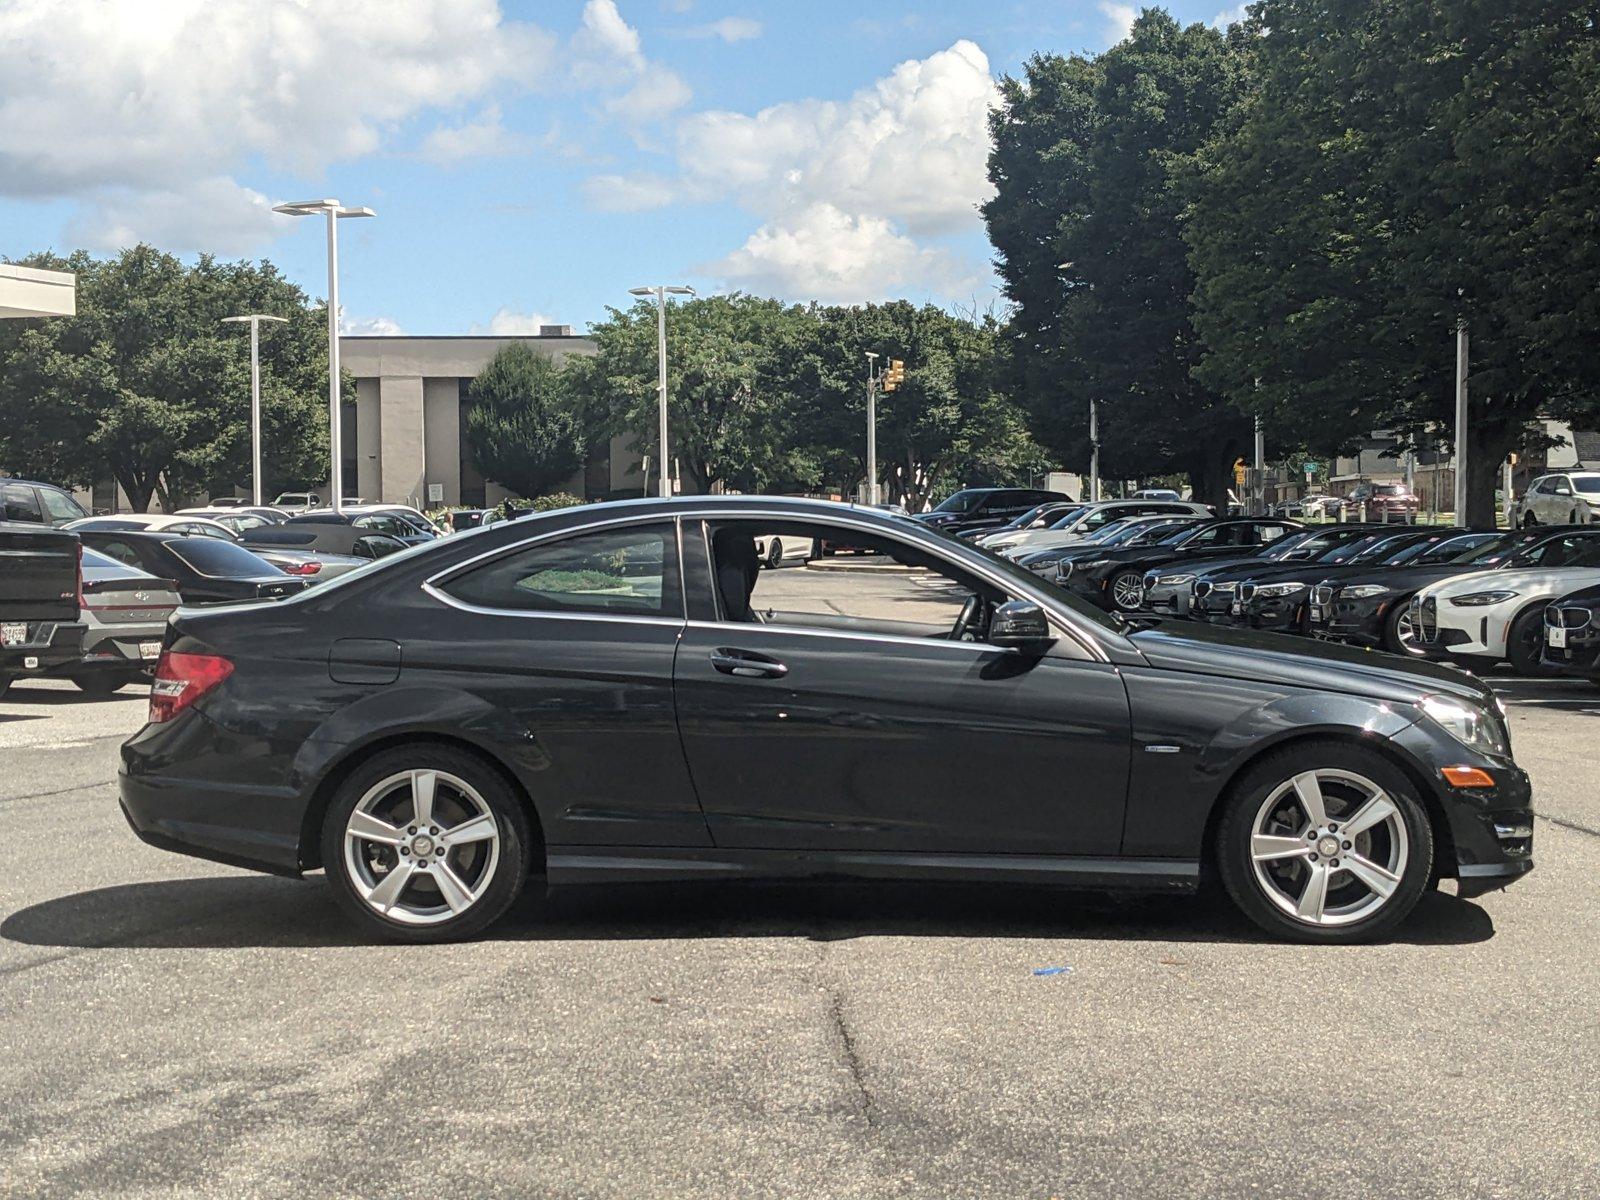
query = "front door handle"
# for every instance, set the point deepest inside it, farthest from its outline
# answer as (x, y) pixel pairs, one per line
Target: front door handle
(747, 664)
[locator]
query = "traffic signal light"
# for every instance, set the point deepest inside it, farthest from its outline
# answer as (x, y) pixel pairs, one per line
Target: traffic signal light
(895, 375)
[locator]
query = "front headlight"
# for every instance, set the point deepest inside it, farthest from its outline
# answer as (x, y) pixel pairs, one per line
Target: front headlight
(1061, 568)
(1280, 589)
(1479, 599)
(1470, 725)
(1174, 580)
(1230, 586)
(1093, 563)
(1362, 591)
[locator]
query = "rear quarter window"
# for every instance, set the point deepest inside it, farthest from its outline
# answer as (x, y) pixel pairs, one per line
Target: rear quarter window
(631, 571)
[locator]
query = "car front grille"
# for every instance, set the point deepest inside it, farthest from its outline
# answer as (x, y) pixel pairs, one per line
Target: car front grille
(1427, 619)
(1247, 592)
(1202, 589)
(1150, 580)
(1567, 618)
(1322, 594)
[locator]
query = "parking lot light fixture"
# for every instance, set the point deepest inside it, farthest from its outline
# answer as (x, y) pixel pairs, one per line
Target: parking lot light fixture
(333, 211)
(661, 292)
(254, 320)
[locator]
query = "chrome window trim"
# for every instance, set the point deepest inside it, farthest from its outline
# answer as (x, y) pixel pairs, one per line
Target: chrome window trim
(1084, 639)
(898, 639)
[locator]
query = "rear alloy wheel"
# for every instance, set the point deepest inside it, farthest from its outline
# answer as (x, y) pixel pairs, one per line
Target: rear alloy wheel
(425, 846)
(774, 554)
(1127, 591)
(1325, 843)
(1399, 634)
(1529, 521)
(1524, 640)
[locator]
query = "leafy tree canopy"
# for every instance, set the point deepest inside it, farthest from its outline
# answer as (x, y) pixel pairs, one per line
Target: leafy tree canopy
(524, 427)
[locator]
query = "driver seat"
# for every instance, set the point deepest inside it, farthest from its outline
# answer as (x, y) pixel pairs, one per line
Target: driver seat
(738, 568)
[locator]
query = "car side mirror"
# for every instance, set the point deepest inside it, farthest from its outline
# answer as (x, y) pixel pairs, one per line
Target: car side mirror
(1020, 625)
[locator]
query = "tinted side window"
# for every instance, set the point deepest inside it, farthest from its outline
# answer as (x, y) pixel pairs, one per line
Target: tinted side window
(631, 571)
(120, 551)
(20, 503)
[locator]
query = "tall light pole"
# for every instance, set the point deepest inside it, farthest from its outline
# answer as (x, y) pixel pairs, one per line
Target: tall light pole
(254, 321)
(661, 292)
(334, 210)
(1094, 428)
(1258, 493)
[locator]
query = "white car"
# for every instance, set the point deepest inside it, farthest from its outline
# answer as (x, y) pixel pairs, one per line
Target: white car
(1499, 615)
(773, 550)
(1564, 498)
(1089, 518)
(189, 526)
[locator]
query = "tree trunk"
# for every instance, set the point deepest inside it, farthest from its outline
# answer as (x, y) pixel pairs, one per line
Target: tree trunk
(1211, 474)
(137, 487)
(1487, 447)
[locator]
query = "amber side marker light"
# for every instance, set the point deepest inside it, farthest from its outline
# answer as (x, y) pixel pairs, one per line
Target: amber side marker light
(1467, 777)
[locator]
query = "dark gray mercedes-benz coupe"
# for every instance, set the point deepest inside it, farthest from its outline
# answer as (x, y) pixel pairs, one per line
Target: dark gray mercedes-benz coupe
(615, 692)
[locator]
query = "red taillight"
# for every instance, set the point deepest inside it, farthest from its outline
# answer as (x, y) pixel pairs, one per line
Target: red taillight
(81, 603)
(305, 568)
(181, 679)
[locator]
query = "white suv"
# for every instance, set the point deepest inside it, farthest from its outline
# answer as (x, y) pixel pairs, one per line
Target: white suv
(1567, 498)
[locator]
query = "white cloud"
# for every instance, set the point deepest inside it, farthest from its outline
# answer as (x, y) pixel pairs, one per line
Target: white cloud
(830, 255)
(507, 321)
(607, 56)
(120, 104)
(729, 29)
(1231, 16)
(1119, 20)
(483, 137)
(913, 147)
(630, 193)
(212, 213)
(368, 326)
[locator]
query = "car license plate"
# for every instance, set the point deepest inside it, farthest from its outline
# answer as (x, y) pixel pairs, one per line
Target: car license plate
(13, 633)
(1556, 636)
(1318, 613)
(1238, 608)
(149, 649)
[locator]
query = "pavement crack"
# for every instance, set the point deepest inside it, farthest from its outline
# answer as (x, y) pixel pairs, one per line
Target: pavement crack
(82, 787)
(1572, 825)
(852, 1057)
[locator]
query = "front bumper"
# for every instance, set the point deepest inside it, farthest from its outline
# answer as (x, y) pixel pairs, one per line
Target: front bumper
(1359, 622)
(1580, 655)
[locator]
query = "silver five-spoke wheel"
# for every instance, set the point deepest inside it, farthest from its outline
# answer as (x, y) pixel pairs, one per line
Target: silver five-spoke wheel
(421, 847)
(1127, 591)
(1328, 847)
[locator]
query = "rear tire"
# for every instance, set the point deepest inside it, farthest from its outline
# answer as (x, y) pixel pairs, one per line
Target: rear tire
(99, 687)
(1337, 885)
(1529, 520)
(1523, 641)
(774, 554)
(467, 811)
(5, 685)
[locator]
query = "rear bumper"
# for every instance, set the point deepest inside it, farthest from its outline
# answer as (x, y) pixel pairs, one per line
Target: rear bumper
(182, 789)
(50, 644)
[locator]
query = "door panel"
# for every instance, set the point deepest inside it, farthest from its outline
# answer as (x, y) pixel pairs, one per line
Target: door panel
(889, 744)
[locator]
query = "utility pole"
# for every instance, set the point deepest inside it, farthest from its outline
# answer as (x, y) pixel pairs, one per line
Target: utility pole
(1461, 420)
(1258, 493)
(872, 427)
(1094, 449)
(660, 292)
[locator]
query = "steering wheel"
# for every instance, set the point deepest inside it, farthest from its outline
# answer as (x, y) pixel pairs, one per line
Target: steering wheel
(966, 628)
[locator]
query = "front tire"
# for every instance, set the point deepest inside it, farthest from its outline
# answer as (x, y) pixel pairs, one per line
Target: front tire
(1127, 591)
(1523, 641)
(425, 845)
(1399, 636)
(774, 554)
(1325, 842)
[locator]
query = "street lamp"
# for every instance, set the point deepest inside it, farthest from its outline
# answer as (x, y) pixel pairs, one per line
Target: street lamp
(872, 427)
(334, 210)
(661, 292)
(254, 320)
(1094, 429)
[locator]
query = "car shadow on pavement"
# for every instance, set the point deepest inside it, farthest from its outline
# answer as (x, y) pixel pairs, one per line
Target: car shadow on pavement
(262, 911)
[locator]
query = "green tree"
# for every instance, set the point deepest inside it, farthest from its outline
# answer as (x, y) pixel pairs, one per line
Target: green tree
(524, 426)
(1399, 166)
(1085, 154)
(146, 386)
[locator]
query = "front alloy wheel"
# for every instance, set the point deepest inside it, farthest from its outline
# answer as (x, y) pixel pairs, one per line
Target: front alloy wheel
(425, 846)
(1325, 843)
(1127, 591)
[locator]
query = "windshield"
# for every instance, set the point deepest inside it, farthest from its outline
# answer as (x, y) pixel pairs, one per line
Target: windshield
(1451, 548)
(1587, 484)
(1114, 533)
(220, 559)
(1164, 533)
(1287, 546)
(1388, 549)
(962, 502)
(1351, 550)
(1493, 553)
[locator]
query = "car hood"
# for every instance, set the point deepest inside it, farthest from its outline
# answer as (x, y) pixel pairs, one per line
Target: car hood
(1042, 539)
(1588, 597)
(1276, 658)
(1531, 582)
(1398, 579)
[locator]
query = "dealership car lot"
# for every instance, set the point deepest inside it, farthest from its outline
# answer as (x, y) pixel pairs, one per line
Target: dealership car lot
(174, 1026)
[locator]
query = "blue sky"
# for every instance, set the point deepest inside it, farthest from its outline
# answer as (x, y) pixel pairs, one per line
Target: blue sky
(528, 161)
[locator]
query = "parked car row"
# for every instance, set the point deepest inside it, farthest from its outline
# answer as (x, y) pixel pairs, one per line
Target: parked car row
(1528, 596)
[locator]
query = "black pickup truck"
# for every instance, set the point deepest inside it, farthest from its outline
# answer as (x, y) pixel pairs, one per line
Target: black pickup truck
(39, 586)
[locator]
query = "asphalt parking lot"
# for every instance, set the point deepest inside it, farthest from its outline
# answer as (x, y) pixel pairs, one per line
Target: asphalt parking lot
(170, 1027)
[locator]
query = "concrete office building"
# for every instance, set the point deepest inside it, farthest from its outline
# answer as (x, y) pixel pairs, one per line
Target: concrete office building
(404, 431)
(32, 292)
